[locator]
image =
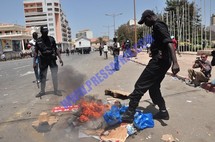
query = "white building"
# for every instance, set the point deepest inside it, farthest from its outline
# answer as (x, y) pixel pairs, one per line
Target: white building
(82, 42)
(131, 22)
(48, 12)
(85, 33)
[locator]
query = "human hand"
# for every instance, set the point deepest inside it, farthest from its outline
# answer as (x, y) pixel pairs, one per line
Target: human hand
(61, 62)
(175, 69)
(34, 65)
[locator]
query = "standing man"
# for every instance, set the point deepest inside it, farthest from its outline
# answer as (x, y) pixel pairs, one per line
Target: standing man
(36, 58)
(175, 45)
(100, 49)
(116, 50)
(47, 47)
(163, 55)
(105, 49)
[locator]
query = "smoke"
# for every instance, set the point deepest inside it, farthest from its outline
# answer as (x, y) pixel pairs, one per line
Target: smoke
(70, 79)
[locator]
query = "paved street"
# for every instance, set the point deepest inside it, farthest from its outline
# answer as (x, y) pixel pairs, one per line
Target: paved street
(191, 109)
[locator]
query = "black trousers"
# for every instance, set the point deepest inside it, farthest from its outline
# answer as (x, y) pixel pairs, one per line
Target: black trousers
(43, 73)
(150, 79)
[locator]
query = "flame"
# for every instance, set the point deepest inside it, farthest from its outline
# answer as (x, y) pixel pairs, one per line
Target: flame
(91, 110)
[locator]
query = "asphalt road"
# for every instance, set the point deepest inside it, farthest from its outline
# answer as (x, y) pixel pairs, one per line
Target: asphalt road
(191, 109)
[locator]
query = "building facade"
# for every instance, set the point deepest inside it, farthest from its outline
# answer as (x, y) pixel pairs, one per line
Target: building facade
(13, 38)
(49, 13)
(85, 33)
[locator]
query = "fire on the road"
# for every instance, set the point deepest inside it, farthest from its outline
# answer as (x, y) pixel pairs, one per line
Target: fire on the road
(93, 109)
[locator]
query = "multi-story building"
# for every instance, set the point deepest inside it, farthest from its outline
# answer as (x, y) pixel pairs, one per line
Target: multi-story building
(48, 12)
(13, 38)
(85, 33)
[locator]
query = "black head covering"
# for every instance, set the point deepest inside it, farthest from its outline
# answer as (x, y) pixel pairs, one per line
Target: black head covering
(145, 14)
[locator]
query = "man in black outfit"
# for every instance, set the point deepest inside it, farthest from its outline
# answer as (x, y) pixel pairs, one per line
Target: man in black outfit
(163, 55)
(46, 47)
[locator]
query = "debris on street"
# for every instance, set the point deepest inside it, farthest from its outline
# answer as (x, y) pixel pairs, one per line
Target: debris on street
(117, 94)
(118, 134)
(168, 138)
(44, 122)
(63, 109)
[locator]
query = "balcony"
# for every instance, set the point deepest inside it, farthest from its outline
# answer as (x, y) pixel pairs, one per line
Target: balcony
(36, 18)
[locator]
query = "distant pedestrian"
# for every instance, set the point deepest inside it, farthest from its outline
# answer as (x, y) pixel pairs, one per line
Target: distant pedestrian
(67, 51)
(105, 49)
(175, 45)
(73, 50)
(36, 58)
(3, 57)
(100, 49)
(163, 55)
(46, 45)
(116, 50)
(127, 49)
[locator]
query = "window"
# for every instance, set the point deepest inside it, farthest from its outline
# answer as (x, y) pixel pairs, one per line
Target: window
(49, 4)
(49, 9)
(51, 29)
(55, 4)
(56, 9)
(51, 24)
(50, 14)
(50, 19)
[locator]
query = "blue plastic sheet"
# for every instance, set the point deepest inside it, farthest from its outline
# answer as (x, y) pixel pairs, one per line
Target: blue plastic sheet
(143, 120)
(113, 116)
(123, 109)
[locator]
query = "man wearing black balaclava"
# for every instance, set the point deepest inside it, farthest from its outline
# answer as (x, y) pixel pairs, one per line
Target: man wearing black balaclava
(46, 47)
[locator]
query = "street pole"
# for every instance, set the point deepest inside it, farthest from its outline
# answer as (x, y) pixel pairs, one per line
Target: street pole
(114, 16)
(205, 24)
(210, 24)
(108, 34)
(201, 25)
(135, 26)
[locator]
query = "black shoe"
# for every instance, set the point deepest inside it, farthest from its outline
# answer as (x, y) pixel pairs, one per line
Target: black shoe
(128, 116)
(162, 114)
(40, 94)
(57, 93)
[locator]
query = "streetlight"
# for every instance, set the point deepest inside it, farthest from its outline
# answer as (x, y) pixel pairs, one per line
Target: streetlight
(108, 33)
(114, 16)
(135, 26)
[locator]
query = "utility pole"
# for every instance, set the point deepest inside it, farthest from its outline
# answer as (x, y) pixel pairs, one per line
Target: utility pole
(135, 26)
(108, 34)
(201, 25)
(210, 23)
(114, 16)
(205, 24)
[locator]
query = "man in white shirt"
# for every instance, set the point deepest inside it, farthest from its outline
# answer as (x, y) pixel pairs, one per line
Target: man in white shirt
(36, 68)
(105, 49)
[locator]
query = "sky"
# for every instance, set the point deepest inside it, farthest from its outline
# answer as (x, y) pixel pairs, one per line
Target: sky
(90, 14)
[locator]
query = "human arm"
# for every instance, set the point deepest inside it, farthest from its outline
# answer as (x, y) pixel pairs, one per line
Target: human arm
(35, 55)
(205, 66)
(59, 56)
(175, 65)
(161, 32)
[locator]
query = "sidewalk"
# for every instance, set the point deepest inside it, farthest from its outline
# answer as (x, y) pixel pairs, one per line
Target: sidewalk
(185, 62)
